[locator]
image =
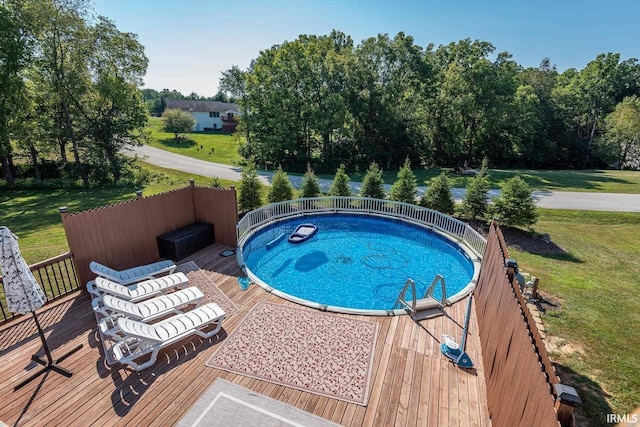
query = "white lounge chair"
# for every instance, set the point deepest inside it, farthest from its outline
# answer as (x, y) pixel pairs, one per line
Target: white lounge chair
(137, 291)
(140, 339)
(132, 275)
(110, 308)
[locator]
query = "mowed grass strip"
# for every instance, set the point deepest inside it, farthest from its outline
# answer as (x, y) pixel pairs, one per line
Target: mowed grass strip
(213, 147)
(598, 288)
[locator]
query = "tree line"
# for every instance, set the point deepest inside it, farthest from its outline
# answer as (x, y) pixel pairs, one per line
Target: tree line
(324, 101)
(70, 95)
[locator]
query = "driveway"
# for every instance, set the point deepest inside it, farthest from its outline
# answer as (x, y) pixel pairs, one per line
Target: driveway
(545, 199)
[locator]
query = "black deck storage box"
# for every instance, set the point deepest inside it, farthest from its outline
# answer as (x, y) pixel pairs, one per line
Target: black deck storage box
(185, 241)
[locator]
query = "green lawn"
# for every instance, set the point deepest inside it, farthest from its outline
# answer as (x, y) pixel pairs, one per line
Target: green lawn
(209, 146)
(33, 215)
(596, 282)
(225, 151)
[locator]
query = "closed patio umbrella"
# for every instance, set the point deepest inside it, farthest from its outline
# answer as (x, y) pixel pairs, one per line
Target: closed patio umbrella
(24, 295)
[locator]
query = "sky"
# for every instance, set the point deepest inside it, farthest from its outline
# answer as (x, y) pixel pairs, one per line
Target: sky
(189, 43)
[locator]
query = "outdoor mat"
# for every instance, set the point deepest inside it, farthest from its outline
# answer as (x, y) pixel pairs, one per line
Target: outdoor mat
(227, 404)
(303, 349)
(211, 292)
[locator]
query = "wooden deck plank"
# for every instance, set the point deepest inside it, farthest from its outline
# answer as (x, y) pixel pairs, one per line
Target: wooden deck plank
(411, 383)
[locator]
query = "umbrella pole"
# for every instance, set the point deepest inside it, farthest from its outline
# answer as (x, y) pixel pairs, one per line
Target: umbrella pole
(49, 363)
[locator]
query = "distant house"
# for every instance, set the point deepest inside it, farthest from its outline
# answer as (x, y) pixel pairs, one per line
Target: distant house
(209, 115)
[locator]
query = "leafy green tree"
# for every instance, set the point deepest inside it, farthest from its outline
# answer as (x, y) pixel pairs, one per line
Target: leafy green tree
(176, 121)
(340, 185)
(438, 195)
(476, 198)
(472, 100)
(310, 185)
(249, 188)
(372, 183)
(623, 133)
(281, 188)
(515, 206)
(61, 75)
(15, 52)
(406, 185)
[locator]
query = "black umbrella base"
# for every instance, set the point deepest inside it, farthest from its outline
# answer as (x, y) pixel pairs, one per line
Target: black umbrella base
(49, 365)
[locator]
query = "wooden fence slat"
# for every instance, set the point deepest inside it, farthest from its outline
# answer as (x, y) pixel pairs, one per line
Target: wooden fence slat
(515, 360)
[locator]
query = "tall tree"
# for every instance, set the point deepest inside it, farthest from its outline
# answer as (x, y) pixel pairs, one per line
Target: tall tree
(473, 98)
(234, 83)
(113, 111)
(15, 52)
(62, 72)
(623, 133)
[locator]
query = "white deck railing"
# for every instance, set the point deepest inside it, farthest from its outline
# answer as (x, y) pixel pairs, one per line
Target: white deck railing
(269, 214)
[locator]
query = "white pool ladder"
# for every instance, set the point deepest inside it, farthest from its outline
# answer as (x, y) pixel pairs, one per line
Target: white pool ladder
(427, 302)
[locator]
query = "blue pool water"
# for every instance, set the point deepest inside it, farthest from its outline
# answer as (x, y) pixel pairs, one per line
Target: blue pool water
(356, 262)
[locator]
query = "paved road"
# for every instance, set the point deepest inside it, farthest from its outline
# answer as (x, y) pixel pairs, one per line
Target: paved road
(545, 199)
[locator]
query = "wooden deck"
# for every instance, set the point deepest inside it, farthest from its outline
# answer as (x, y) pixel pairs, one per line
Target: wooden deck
(412, 383)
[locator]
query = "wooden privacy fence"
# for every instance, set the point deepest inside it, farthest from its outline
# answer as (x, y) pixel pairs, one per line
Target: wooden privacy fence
(518, 371)
(123, 235)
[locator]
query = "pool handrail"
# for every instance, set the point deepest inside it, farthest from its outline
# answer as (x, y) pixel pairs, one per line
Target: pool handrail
(265, 215)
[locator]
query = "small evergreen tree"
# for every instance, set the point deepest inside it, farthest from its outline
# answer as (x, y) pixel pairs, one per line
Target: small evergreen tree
(310, 185)
(249, 188)
(281, 188)
(515, 206)
(177, 121)
(340, 185)
(372, 183)
(476, 198)
(405, 187)
(438, 196)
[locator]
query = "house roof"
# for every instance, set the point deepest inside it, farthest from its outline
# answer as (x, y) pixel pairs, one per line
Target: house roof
(206, 106)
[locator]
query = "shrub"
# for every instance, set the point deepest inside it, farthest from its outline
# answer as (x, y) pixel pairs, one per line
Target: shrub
(372, 183)
(404, 189)
(249, 188)
(515, 206)
(340, 185)
(476, 198)
(177, 121)
(310, 185)
(281, 188)
(438, 196)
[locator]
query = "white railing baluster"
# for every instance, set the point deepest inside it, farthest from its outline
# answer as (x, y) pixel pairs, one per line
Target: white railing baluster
(427, 217)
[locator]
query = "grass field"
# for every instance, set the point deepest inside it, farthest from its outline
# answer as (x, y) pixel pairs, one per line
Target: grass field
(598, 323)
(221, 148)
(212, 147)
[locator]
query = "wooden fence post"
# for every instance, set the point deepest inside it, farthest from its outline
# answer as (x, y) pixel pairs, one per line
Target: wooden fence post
(565, 402)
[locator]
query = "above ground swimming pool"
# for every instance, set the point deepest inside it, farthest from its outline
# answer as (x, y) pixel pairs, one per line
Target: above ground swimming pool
(355, 263)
